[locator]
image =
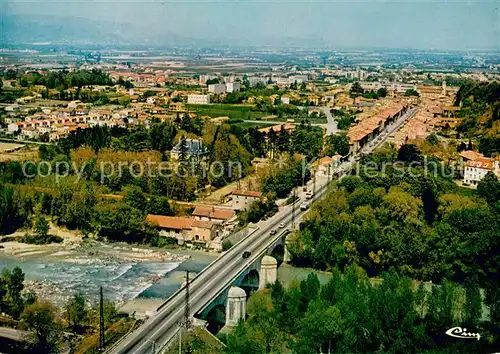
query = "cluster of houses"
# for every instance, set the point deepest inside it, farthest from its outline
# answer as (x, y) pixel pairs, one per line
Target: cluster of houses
(207, 225)
(367, 129)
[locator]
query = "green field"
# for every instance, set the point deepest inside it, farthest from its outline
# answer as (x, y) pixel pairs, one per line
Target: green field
(243, 112)
(246, 125)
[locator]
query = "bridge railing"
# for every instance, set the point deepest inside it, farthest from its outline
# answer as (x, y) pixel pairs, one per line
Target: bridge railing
(223, 255)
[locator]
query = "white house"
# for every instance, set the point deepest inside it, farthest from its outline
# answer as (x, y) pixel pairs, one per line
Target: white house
(233, 86)
(198, 99)
(241, 200)
(476, 169)
(285, 99)
(13, 127)
(217, 88)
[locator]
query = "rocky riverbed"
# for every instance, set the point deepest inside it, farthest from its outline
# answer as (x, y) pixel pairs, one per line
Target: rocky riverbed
(57, 271)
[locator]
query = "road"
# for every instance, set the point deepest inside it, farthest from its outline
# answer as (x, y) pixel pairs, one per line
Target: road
(161, 328)
(331, 126)
(14, 334)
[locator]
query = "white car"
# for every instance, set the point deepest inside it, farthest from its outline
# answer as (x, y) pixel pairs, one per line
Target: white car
(282, 225)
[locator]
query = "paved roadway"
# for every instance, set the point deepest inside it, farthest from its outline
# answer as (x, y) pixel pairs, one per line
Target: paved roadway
(14, 334)
(331, 126)
(161, 328)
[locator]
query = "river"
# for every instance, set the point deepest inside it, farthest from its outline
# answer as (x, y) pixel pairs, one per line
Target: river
(122, 280)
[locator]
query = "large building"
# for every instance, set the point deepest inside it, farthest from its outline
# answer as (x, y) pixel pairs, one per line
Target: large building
(233, 86)
(194, 149)
(241, 199)
(476, 169)
(366, 130)
(198, 99)
(184, 229)
(217, 88)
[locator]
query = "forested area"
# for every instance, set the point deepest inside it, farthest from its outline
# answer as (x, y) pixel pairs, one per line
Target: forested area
(305, 140)
(480, 109)
(46, 323)
(62, 80)
(406, 218)
(353, 314)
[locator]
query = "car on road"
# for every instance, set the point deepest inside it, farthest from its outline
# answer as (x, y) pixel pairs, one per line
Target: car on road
(309, 195)
(246, 254)
(274, 231)
(304, 206)
(282, 225)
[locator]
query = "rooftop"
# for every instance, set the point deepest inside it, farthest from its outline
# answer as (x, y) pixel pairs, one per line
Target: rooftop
(213, 213)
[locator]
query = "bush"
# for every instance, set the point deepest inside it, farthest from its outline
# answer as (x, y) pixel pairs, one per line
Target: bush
(165, 241)
(41, 240)
(226, 245)
(291, 199)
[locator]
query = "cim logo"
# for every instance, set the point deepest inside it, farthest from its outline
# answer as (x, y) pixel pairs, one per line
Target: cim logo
(459, 332)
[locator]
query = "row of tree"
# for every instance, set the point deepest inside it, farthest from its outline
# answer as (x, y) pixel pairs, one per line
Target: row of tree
(410, 219)
(353, 314)
(62, 80)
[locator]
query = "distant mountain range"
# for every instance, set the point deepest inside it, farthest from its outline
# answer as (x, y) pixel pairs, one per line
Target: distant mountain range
(30, 29)
(61, 30)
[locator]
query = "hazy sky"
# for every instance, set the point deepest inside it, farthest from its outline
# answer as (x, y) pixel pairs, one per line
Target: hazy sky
(398, 24)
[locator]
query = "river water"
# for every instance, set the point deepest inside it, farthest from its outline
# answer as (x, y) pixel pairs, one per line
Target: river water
(121, 280)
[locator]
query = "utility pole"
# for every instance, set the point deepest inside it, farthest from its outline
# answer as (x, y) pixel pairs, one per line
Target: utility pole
(187, 317)
(186, 322)
(314, 182)
(293, 209)
(101, 320)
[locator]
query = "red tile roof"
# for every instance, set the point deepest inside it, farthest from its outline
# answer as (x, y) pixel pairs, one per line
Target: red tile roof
(213, 213)
(177, 222)
(471, 155)
(481, 163)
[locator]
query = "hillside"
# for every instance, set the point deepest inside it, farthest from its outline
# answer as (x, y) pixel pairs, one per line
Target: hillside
(480, 108)
(30, 29)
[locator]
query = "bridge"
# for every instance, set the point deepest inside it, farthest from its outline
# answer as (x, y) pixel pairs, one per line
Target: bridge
(226, 282)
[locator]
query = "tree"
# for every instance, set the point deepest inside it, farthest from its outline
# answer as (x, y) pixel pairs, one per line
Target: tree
(409, 153)
(382, 92)
(40, 318)
(183, 149)
(76, 312)
(411, 92)
(159, 206)
(41, 226)
(356, 89)
(337, 144)
(402, 205)
(213, 81)
(135, 198)
(14, 282)
(432, 139)
(489, 188)
(310, 287)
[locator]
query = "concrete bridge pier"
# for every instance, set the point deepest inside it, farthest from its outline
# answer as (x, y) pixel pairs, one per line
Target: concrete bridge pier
(287, 257)
(268, 271)
(236, 306)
